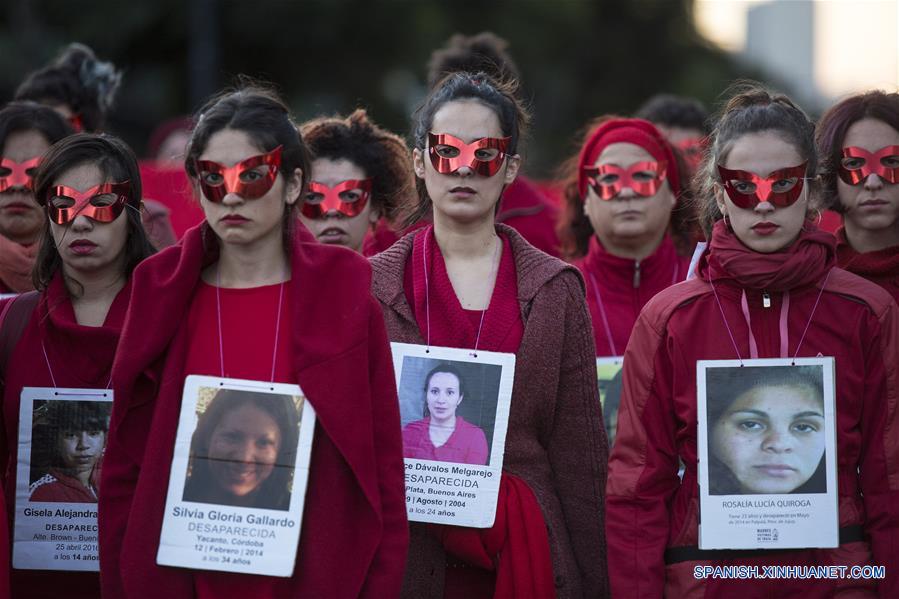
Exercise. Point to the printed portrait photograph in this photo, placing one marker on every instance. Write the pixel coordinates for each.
(766, 430)
(68, 439)
(448, 409)
(244, 450)
(608, 379)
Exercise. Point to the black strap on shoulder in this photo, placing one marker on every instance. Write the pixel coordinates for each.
(12, 324)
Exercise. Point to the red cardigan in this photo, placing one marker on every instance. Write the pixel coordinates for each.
(354, 534)
(649, 509)
(81, 357)
(881, 267)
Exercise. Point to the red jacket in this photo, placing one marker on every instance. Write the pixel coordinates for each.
(354, 532)
(525, 208)
(618, 288)
(881, 267)
(649, 509)
(81, 357)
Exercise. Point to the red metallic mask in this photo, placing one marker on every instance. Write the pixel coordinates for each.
(102, 203)
(17, 174)
(691, 149)
(484, 156)
(607, 180)
(347, 197)
(746, 190)
(858, 164)
(77, 122)
(217, 180)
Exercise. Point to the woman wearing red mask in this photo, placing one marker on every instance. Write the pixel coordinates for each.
(859, 143)
(89, 188)
(767, 287)
(248, 295)
(466, 282)
(360, 176)
(626, 224)
(27, 130)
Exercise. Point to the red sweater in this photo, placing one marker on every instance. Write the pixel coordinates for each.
(81, 357)
(618, 288)
(649, 509)
(354, 533)
(881, 267)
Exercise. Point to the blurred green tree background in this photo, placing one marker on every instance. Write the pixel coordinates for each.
(578, 58)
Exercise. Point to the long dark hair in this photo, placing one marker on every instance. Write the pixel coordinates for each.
(274, 493)
(116, 162)
(835, 123)
(499, 96)
(259, 112)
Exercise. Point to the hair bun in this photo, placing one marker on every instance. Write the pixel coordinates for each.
(99, 78)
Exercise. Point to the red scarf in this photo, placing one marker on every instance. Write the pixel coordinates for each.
(80, 356)
(15, 265)
(450, 324)
(878, 265)
(803, 263)
(517, 547)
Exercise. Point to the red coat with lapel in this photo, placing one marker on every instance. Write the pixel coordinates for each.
(354, 535)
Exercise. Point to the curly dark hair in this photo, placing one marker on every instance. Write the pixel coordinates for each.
(274, 493)
(383, 155)
(574, 228)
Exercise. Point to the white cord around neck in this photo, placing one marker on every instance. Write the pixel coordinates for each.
(218, 313)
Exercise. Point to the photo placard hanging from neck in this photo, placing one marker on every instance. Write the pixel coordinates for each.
(238, 478)
(62, 440)
(767, 453)
(608, 379)
(454, 407)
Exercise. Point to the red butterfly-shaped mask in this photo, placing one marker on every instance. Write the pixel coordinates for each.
(102, 203)
(347, 198)
(244, 178)
(858, 164)
(18, 174)
(607, 180)
(484, 156)
(747, 190)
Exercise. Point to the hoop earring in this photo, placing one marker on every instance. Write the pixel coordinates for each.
(727, 223)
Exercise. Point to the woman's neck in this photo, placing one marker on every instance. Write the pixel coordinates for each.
(92, 293)
(251, 265)
(465, 241)
(871, 240)
(633, 248)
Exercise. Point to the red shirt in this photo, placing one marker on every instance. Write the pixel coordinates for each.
(249, 320)
(880, 267)
(58, 487)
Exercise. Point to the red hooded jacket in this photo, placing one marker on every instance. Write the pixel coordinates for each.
(649, 510)
(881, 267)
(618, 288)
(81, 357)
(354, 533)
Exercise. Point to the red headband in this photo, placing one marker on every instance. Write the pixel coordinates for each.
(633, 131)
